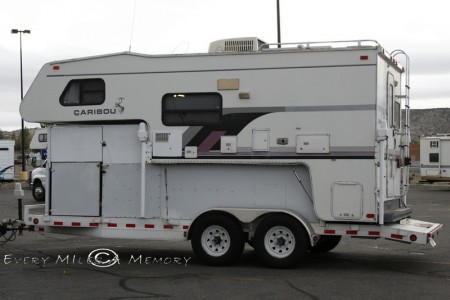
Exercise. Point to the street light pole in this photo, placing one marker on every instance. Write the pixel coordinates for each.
(278, 24)
(14, 31)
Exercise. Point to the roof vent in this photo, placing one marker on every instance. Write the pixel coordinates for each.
(250, 44)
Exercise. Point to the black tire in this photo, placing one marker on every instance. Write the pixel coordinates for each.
(38, 192)
(217, 240)
(326, 243)
(281, 242)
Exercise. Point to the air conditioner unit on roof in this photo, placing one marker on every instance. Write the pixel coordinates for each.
(249, 44)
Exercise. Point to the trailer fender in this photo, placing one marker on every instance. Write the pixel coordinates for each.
(250, 215)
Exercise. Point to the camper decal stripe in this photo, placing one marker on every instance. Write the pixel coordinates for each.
(236, 119)
(212, 70)
(209, 136)
(210, 141)
(435, 167)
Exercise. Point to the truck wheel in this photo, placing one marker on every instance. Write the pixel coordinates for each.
(326, 243)
(281, 242)
(38, 192)
(217, 240)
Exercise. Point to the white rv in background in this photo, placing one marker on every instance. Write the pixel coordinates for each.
(7, 159)
(435, 157)
(38, 143)
(288, 149)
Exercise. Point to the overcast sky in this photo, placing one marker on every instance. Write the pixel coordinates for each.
(68, 29)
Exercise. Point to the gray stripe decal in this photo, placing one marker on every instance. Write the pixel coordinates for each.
(362, 107)
(435, 167)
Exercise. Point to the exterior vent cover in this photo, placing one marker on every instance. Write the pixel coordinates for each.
(236, 45)
(162, 137)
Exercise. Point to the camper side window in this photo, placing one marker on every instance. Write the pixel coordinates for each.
(434, 144)
(83, 92)
(434, 157)
(42, 138)
(192, 109)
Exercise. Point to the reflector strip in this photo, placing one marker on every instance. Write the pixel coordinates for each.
(76, 224)
(41, 229)
(112, 225)
(370, 216)
(149, 226)
(58, 223)
(93, 224)
(397, 236)
(56, 68)
(131, 225)
(364, 57)
(328, 231)
(185, 227)
(352, 232)
(376, 233)
(168, 226)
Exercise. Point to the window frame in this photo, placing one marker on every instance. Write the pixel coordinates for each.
(42, 138)
(217, 112)
(434, 144)
(71, 83)
(433, 158)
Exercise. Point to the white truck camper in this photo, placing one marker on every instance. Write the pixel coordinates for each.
(435, 157)
(287, 148)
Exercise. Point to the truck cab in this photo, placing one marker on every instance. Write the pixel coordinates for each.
(38, 180)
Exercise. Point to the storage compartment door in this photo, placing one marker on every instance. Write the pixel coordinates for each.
(347, 200)
(75, 189)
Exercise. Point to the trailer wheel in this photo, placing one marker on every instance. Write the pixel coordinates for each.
(38, 191)
(217, 240)
(281, 242)
(326, 243)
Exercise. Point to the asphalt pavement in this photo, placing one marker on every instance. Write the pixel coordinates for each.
(50, 266)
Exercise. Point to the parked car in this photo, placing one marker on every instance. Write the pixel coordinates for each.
(38, 179)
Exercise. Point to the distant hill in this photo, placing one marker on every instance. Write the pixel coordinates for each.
(426, 121)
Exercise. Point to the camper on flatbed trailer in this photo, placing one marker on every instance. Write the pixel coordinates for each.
(288, 148)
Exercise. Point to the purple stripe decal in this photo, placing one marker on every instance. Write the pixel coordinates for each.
(210, 141)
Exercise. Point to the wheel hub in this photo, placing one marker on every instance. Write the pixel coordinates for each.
(279, 241)
(215, 240)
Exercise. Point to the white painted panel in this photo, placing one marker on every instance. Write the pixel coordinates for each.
(121, 144)
(313, 143)
(81, 144)
(75, 189)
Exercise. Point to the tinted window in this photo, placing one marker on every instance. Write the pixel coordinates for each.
(192, 109)
(42, 137)
(434, 157)
(83, 92)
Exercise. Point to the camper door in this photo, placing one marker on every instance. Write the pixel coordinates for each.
(76, 168)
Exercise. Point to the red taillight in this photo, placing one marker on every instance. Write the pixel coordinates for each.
(364, 57)
(413, 237)
(370, 216)
(55, 68)
(36, 221)
(397, 236)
